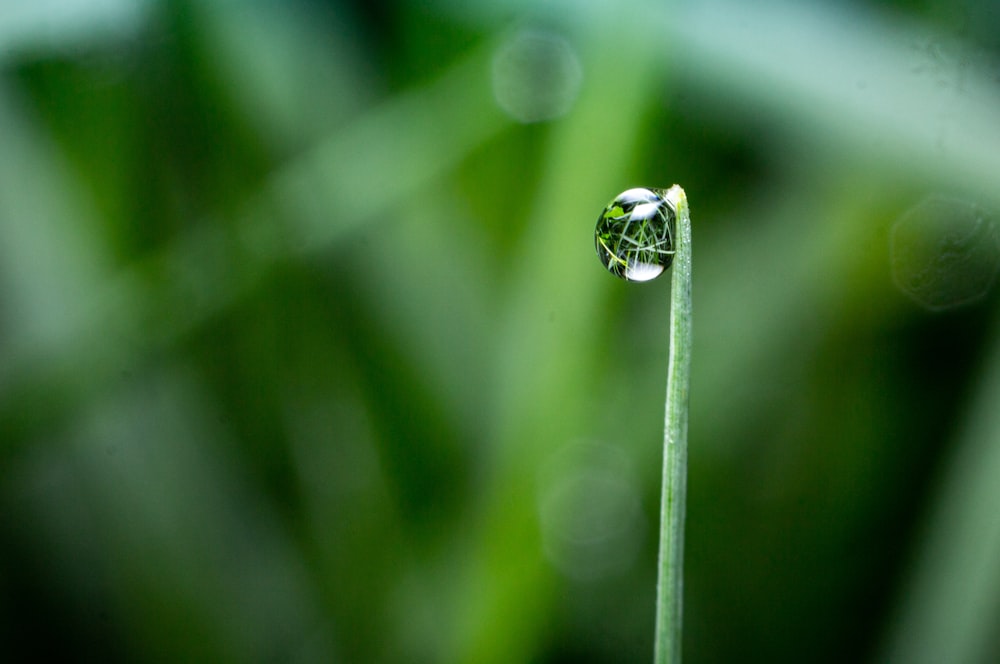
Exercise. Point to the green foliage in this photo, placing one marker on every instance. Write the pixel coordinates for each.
(305, 355)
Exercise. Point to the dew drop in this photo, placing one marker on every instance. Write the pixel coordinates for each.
(634, 237)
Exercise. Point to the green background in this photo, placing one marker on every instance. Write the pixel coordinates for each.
(305, 354)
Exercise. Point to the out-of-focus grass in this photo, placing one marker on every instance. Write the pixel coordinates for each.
(305, 354)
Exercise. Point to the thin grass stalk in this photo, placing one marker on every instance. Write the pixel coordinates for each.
(670, 583)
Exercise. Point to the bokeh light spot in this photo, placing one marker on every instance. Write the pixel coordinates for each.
(590, 511)
(536, 76)
(945, 253)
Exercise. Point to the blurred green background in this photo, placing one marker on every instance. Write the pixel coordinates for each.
(306, 356)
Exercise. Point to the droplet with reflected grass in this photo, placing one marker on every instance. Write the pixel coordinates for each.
(634, 237)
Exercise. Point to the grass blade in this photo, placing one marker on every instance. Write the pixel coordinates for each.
(670, 586)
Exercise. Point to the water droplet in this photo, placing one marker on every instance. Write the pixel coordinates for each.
(635, 234)
(945, 253)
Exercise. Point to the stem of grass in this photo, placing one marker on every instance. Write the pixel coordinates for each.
(670, 583)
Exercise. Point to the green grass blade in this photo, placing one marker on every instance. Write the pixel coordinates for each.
(670, 586)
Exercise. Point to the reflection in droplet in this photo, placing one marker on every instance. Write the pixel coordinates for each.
(590, 511)
(945, 253)
(536, 76)
(634, 237)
